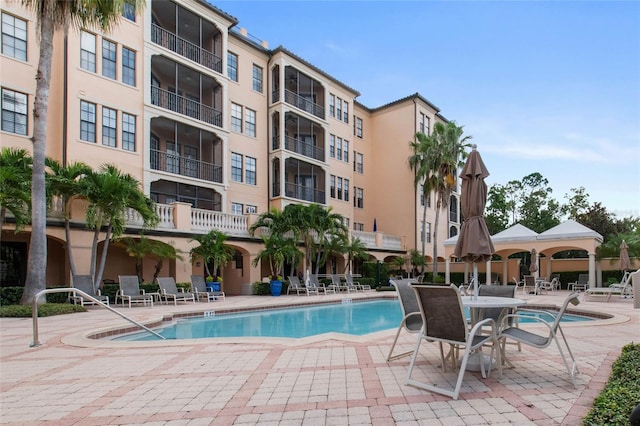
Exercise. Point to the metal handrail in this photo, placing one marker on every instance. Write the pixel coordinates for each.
(75, 291)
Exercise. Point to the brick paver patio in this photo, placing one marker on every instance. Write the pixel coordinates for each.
(71, 380)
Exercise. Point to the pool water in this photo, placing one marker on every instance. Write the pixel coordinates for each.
(348, 318)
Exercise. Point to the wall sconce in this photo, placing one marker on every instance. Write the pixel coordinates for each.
(197, 264)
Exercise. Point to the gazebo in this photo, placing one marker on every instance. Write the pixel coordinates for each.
(569, 235)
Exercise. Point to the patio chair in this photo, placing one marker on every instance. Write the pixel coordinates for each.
(338, 285)
(85, 283)
(363, 287)
(497, 313)
(555, 281)
(295, 285)
(445, 322)
(581, 285)
(542, 341)
(314, 283)
(519, 284)
(411, 318)
(467, 289)
(623, 288)
(530, 282)
(130, 291)
(199, 287)
(169, 291)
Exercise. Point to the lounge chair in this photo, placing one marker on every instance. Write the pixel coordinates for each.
(339, 285)
(295, 285)
(130, 291)
(411, 318)
(314, 283)
(445, 322)
(199, 287)
(363, 287)
(169, 291)
(623, 288)
(85, 283)
(581, 285)
(497, 313)
(542, 341)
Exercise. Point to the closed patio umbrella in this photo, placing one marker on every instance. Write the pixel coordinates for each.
(474, 242)
(533, 266)
(625, 262)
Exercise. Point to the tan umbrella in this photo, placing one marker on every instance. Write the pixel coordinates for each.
(474, 242)
(625, 262)
(533, 266)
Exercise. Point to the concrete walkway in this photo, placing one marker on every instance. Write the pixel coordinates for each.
(335, 380)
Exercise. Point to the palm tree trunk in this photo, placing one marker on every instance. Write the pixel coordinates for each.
(37, 264)
(67, 233)
(103, 258)
(424, 231)
(435, 242)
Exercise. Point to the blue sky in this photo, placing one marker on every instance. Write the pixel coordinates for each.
(548, 87)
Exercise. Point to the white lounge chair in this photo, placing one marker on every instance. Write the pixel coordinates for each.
(169, 291)
(130, 291)
(623, 288)
(411, 318)
(295, 285)
(199, 287)
(314, 283)
(358, 285)
(85, 283)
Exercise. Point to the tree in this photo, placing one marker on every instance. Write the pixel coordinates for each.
(15, 188)
(498, 207)
(66, 183)
(111, 194)
(538, 211)
(399, 263)
(212, 249)
(611, 247)
(142, 247)
(435, 160)
(354, 249)
(577, 204)
(277, 249)
(416, 259)
(53, 16)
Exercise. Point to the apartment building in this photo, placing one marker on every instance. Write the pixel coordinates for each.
(218, 127)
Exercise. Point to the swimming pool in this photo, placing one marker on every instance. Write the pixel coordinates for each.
(348, 318)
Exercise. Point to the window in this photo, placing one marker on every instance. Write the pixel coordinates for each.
(421, 192)
(426, 125)
(236, 208)
(236, 118)
(87, 121)
(339, 189)
(14, 37)
(109, 118)
(346, 189)
(346, 222)
(128, 132)
(250, 173)
(339, 149)
(108, 59)
(257, 78)
(128, 66)
(345, 151)
(332, 146)
(421, 123)
(332, 186)
(236, 167)
(232, 66)
(359, 162)
(428, 232)
(339, 108)
(359, 127)
(250, 123)
(332, 105)
(345, 112)
(358, 226)
(129, 10)
(250, 209)
(359, 200)
(14, 112)
(87, 51)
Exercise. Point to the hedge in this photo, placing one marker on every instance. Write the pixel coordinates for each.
(44, 310)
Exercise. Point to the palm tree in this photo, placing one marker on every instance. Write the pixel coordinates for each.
(278, 226)
(111, 194)
(15, 168)
(143, 247)
(53, 16)
(212, 249)
(354, 249)
(434, 161)
(65, 182)
(277, 249)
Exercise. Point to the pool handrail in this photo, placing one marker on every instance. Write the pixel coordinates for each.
(75, 291)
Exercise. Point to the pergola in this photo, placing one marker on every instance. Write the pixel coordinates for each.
(569, 235)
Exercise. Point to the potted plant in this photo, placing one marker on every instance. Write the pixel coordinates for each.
(212, 249)
(213, 282)
(276, 250)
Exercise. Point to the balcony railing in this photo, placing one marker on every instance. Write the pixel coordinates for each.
(230, 224)
(453, 217)
(305, 193)
(185, 106)
(379, 240)
(303, 148)
(164, 212)
(391, 242)
(185, 48)
(185, 166)
(367, 238)
(303, 103)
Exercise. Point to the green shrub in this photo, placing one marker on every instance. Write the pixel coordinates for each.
(44, 310)
(385, 288)
(13, 295)
(370, 270)
(264, 289)
(621, 393)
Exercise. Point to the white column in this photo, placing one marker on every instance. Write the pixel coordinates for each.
(447, 271)
(505, 270)
(488, 274)
(592, 270)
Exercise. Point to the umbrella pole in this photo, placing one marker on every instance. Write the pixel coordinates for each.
(475, 281)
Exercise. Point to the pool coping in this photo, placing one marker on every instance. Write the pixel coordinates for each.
(97, 338)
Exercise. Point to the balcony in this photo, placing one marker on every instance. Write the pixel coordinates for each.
(379, 240)
(185, 48)
(304, 193)
(185, 166)
(304, 103)
(303, 148)
(185, 106)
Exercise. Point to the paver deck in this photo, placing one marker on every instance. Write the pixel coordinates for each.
(332, 380)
